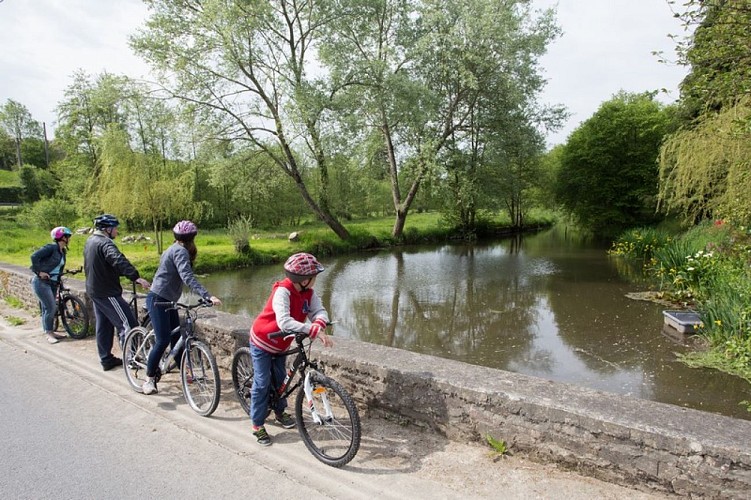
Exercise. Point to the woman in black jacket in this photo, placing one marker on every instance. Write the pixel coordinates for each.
(48, 263)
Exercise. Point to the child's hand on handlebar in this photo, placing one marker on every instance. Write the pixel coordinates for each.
(327, 340)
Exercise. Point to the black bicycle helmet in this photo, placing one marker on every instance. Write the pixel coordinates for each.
(105, 221)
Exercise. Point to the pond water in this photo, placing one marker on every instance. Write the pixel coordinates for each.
(549, 305)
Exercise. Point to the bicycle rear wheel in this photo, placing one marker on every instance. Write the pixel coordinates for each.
(136, 349)
(329, 425)
(74, 317)
(199, 374)
(242, 376)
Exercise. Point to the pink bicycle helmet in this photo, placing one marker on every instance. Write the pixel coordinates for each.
(60, 232)
(301, 266)
(185, 230)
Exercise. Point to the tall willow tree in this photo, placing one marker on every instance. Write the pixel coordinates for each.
(142, 187)
(704, 167)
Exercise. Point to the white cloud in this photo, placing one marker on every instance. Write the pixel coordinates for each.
(44, 42)
(606, 46)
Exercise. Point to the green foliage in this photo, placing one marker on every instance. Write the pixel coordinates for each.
(13, 301)
(707, 268)
(717, 54)
(499, 446)
(36, 183)
(608, 175)
(240, 231)
(705, 169)
(48, 213)
(640, 242)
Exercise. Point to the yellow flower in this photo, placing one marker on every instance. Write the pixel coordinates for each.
(718, 322)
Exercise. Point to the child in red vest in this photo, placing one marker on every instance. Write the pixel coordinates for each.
(292, 302)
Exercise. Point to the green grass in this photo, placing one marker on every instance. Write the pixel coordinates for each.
(15, 321)
(9, 178)
(14, 302)
(216, 250)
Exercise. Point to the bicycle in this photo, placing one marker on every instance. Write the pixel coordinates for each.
(133, 303)
(327, 418)
(71, 311)
(199, 373)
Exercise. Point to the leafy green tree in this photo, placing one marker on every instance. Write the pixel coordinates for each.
(717, 53)
(251, 62)
(37, 183)
(424, 74)
(17, 122)
(608, 172)
(7, 150)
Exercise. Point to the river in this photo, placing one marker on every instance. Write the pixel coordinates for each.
(551, 305)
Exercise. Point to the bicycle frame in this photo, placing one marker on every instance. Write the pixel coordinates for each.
(199, 373)
(300, 365)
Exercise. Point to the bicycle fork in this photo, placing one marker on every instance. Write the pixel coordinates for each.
(309, 389)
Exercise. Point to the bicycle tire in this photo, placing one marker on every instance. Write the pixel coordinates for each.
(335, 438)
(136, 348)
(242, 376)
(74, 317)
(201, 385)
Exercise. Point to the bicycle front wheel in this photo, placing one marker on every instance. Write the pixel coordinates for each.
(329, 424)
(242, 376)
(200, 379)
(75, 317)
(136, 349)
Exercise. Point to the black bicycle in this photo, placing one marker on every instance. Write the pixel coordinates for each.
(327, 417)
(71, 311)
(145, 320)
(199, 373)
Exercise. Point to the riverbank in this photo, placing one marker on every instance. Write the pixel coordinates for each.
(218, 248)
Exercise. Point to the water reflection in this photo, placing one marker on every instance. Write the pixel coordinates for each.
(548, 305)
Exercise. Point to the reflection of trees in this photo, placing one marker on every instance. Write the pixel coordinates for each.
(451, 309)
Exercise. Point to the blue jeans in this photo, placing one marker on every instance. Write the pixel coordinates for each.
(163, 321)
(263, 363)
(45, 291)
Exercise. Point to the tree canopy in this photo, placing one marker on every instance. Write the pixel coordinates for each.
(608, 172)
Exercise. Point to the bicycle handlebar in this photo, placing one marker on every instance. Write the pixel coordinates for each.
(188, 307)
(293, 333)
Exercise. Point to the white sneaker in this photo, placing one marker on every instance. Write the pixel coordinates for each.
(149, 387)
(52, 339)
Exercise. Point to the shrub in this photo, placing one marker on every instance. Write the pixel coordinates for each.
(240, 230)
(48, 213)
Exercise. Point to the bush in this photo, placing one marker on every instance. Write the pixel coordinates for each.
(240, 230)
(48, 213)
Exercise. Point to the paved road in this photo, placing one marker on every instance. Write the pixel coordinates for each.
(73, 431)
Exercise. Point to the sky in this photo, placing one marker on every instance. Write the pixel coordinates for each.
(606, 46)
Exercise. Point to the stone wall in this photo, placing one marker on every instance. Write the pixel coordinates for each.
(611, 437)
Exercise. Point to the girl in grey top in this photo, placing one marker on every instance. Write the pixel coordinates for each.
(175, 268)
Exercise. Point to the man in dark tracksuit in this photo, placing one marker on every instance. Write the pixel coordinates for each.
(104, 264)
